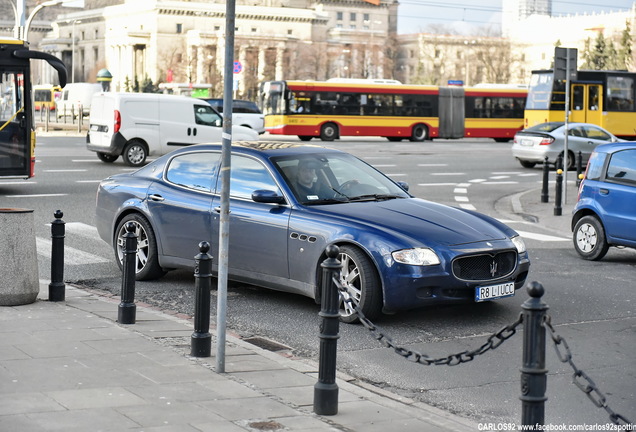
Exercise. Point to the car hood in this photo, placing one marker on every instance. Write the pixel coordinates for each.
(420, 219)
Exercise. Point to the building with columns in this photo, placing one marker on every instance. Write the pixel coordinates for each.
(169, 41)
(184, 41)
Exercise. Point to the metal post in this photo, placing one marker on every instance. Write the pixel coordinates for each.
(80, 118)
(533, 371)
(544, 189)
(558, 210)
(326, 389)
(57, 288)
(201, 340)
(127, 310)
(46, 120)
(579, 167)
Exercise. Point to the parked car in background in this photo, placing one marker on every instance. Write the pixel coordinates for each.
(136, 125)
(605, 213)
(398, 252)
(76, 98)
(532, 145)
(244, 113)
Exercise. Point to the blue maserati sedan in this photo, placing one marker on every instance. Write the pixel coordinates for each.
(288, 202)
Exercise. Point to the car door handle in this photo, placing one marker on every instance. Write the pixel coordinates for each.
(194, 131)
(156, 197)
(218, 209)
(603, 191)
(189, 131)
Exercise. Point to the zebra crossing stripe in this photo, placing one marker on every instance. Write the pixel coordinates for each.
(72, 256)
(542, 237)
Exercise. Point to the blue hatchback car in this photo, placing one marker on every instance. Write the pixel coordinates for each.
(605, 214)
(288, 202)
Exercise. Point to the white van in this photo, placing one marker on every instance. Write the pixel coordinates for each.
(76, 97)
(244, 113)
(136, 125)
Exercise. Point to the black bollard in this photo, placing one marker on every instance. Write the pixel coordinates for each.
(533, 371)
(544, 189)
(127, 311)
(201, 340)
(579, 167)
(57, 288)
(326, 389)
(559, 162)
(558, 211)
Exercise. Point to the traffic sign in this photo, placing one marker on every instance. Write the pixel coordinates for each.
(238, 67)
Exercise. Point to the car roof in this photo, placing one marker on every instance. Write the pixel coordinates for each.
(267, 148)
(614, 147)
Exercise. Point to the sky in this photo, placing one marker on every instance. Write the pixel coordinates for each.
(415, 16)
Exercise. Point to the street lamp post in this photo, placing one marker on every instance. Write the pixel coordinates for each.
(38, 8)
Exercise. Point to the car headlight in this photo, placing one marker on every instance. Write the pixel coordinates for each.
(519, 244)
(416, 256)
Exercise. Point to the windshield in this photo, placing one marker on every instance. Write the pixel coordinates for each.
(335, 178)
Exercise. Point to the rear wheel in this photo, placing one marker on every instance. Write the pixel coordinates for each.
(107, 158)
(135, 153)
(361, 283)
(305, 137)
(146, 260)
(527, 164)
(329, 132)
(419, 133)
(589, 238)
(570, 163)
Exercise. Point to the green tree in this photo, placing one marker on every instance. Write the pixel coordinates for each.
(625, 50)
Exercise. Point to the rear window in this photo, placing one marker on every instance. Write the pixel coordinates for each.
(544, 127)
(238, 106)
(622, 167)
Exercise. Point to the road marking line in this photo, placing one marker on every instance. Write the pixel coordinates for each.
(460, 190)
(432, 165)
(64, 170)
(477, 180)
(499, 182)
(461, 199)
(72, 256)
(463, 184)
(395, 175)
(16, 183)
(446, 174)
(88, 181)
(542, 237)
(436, 184)
(506, 173)
(499, 177)
(468, 206)
(34, 196)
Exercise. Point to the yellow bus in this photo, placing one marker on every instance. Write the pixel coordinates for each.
(603, 98)
(17, 123)
(44, 96)
(331, 109)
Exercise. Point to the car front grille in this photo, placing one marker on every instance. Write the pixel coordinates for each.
(485, 266)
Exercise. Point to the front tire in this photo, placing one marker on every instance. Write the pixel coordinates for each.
(146, 261)
(135, 153)
(361, 283)
(329, 132)
(589, 238)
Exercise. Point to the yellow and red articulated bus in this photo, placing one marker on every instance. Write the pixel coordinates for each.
(329, 110)
(17, 123)
(603, 98)
(44, 96)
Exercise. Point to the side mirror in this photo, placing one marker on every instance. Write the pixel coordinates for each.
(403, 185)
(267, 197)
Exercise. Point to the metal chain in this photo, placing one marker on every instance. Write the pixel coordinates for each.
(580, 378)
(493, 341)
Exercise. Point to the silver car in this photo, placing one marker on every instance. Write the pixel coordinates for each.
(532, 145)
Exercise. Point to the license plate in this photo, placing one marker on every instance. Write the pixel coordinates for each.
(492, 292)
(527, 142)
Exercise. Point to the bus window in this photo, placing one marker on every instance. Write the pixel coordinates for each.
(14, 154)
(620, 93)
(578, 102)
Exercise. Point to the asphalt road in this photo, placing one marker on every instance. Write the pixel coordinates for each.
(591, 304)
